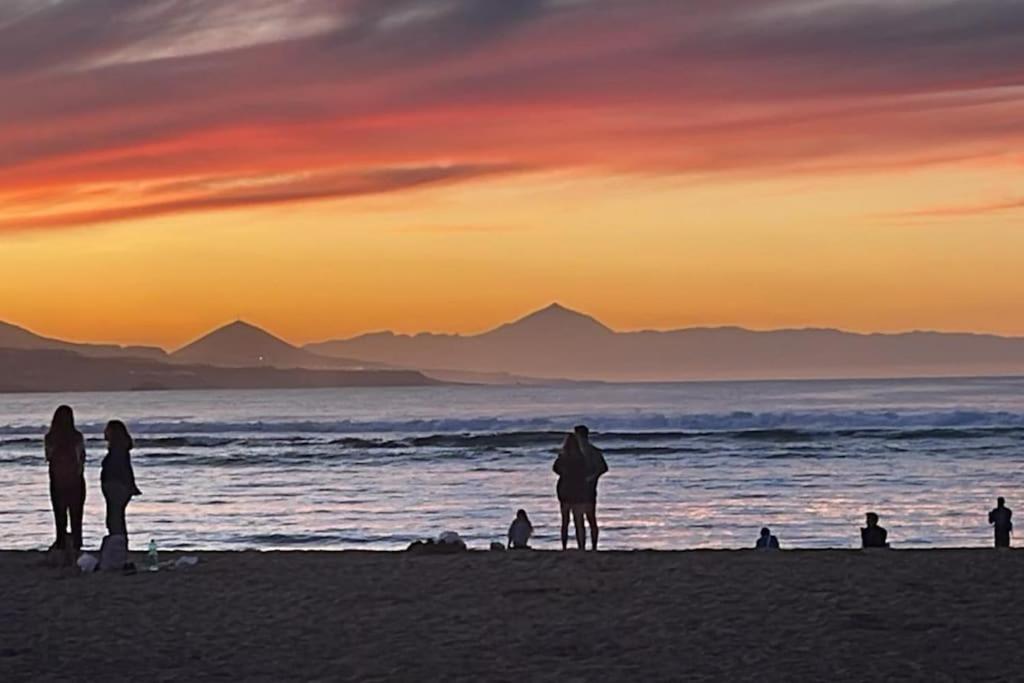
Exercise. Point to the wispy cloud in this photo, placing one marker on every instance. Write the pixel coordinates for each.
(108, 92)
(967, 210)
(219, 193)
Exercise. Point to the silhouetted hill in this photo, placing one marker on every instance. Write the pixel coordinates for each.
(14, 337)
(59, 371)
(559, 343)
(240, 344)
(553, 322)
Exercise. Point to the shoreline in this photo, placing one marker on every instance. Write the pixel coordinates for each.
(935, 614)
(473, 552)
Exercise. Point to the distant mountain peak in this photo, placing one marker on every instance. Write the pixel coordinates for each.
(555, 308)
(243, 327)
(238, 343)
(555, 319)
(242, 344)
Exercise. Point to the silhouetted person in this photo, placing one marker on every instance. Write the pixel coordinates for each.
(766, 540)
(520, 531)
(596, 467)
(65, 456)
(999, 518)
(571, 469)
(873, 536)
(117, 477)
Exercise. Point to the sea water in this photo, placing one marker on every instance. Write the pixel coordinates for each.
(692, 465)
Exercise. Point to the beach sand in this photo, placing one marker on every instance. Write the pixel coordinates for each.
(530, 616)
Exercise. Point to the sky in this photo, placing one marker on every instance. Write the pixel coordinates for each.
(329, 167)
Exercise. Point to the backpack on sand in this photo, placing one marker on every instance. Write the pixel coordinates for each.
(113, 553)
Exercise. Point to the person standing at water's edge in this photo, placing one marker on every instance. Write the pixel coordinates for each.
(117, 477)
(596, 468)
(571, 469)
(65, 457)
(1000, 518)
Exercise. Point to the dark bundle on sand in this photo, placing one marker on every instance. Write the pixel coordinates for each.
(431, 547)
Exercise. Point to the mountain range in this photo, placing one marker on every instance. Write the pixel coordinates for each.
(554, 343)
(557, 342)
(236, 356)
(14, 337)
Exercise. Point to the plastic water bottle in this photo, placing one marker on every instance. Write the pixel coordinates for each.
(152, 557)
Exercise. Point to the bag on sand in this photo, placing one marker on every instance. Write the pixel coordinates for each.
(87, 563)
(113, 553)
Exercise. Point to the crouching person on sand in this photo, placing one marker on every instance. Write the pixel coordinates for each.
(520, 531)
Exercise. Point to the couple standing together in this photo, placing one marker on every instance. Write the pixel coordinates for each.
(65, 457)
(579, 466)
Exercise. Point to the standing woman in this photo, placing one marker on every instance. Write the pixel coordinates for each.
(571, 468)
(117, 478)
(65, 455)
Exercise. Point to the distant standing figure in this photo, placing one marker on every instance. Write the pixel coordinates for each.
(117, 477)
(520, 531)
(571, 469)
(767, 541)
(873, 536)
(999, 518)
(65, 457)
(596, 467)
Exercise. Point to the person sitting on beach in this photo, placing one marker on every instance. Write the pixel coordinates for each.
(520, 531)
(767, 541)
(117, 478)
(999, 518)
(597, 466)
(571, 469)
(65, 455)
(873, 536)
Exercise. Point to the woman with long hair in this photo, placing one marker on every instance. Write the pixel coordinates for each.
(571, 468)
(65, 456)
(117, 478)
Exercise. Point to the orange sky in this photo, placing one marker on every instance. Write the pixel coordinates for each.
(328, 168)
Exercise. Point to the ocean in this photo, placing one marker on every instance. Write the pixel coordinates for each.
(692, 465)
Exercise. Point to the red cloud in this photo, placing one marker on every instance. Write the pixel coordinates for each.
(736, 86)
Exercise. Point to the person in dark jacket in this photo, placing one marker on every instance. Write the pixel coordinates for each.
(767, 541)
(873, 536)
(117, 477)
(999, 518)
(65, 457)
(597, 467)
(571, 468)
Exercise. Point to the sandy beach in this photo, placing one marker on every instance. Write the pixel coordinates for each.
(800, 615)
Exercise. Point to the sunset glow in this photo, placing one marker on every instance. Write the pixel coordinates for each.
(325, 168)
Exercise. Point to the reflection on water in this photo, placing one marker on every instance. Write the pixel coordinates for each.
(693, 465)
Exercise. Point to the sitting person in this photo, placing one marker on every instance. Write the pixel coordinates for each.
(873, 536)
(520, 531)
(767, 541)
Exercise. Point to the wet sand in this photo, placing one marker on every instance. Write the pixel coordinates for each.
(802, 615)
